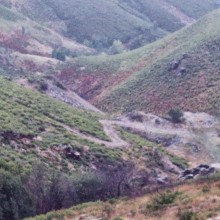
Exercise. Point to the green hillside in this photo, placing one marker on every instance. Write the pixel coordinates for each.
(148, 78)
(57, 154)
(98, 23)
(53, 156)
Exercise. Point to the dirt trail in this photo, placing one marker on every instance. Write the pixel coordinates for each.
(197, 139)
(110, 131)
(177, 13)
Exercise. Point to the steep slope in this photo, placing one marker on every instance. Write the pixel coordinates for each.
(101, 21)
(26, 50)
(181, 70)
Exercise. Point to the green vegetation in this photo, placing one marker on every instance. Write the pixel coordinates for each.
(188, 215)
(30, 120)
(31, 111)
(162, 200)
(180, 203)
(178, 161)
(135, 139)
(15, 201)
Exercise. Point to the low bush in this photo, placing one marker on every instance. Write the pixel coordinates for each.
(162, 201)
(188, 215)
(176, 115)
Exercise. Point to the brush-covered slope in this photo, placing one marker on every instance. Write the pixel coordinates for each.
(198, 200)
(53, 156)
(102, 21)
(33, 123)
(181, 70)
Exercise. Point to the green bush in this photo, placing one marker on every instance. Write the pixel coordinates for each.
(118, 218)
(188, 215)
(43, 86)
(176, 115)
(162, 200)
(15, 201)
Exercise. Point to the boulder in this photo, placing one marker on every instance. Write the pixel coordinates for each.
(174, 65)
(188, 177)
(69, 152)
(162, 180)
(182, 70)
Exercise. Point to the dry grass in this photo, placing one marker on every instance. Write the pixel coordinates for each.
(200, 200)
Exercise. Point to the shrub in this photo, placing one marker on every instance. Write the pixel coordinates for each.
(15, 201)
(43, 86)
(188, 215)
(116, 48)
(118, 218)
(113, 201)
(205, 189)
(176, 115)
(108, 209)
(59, 54)
(162, 200)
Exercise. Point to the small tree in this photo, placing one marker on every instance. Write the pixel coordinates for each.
(176, 115)
(117, 47)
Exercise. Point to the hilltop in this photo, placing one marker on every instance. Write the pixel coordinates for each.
(99, 23)
(181, 70)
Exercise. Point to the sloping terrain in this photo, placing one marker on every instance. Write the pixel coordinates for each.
(181, 70)
(40, 134)
(26, 50)
(199, 200)
(100, 22)
(55, 154)
(85, 149)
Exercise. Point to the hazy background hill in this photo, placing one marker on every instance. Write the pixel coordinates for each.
(180, 70)
(98, 23)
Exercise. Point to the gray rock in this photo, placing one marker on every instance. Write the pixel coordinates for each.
(162, 180)
(188, 177)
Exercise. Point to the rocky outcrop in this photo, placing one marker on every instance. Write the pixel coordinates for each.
(203, 170)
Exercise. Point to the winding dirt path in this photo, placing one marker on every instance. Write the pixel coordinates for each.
(200, 131)
(111, 132)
